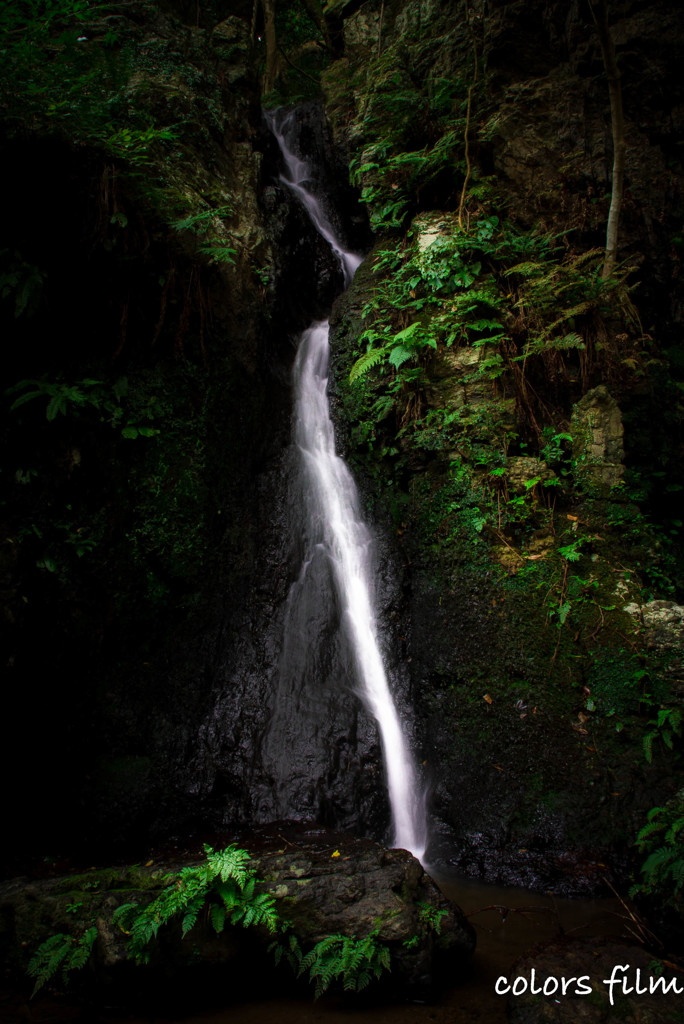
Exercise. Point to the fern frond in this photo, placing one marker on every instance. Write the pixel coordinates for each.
(648, 746)
(229, 863)
(290, 950)
(48, 958)
(526, 269)
(364, 979)
(399, 355)
(383, 960)
(596, 255)
(677, 873)
(217, 916)
(351, 960)
(123, 913)
(228, 893)
(567, 314)
(655, 861)
(191, 914)
(648, 830)
(366, 362)
(81, 954)
(62, 953)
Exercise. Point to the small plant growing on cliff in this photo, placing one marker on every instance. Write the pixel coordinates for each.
(668, 727)
(431, 917)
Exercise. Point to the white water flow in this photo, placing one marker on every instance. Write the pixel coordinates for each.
(334, 504)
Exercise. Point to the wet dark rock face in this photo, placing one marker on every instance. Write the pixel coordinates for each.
(287, 734)
(308, 274)
(169, 635)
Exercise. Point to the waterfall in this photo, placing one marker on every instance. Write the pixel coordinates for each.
(336, 525)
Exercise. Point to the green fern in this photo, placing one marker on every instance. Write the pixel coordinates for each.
(667, 727)
(352, 961)
(62, 953)
(224, 886)
(287, 949)
(218, 253)
(366, 362)
(662, 839)
(432, 916)
(217, 916)
(399, 355)
(527, 269)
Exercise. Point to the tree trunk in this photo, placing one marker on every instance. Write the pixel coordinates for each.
(599, 11)
(315, 12)
(271, 46)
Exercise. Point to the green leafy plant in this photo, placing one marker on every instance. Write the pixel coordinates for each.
(61, 396)
(218, 253)
(64, 398)
(667, 728)
(21, 281)
(431, 916)
(135, 144)
(201, 223)
(553, 450)
(351, 961)
(662, 838)
(61, 954)
(224, 886)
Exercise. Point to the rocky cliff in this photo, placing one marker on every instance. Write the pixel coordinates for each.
(516, 415)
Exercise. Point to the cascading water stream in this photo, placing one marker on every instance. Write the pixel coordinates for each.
(333, 505)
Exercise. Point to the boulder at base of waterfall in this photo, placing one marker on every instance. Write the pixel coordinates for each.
(586, 969)
(325, 883)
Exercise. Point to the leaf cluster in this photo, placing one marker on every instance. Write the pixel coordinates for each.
(662, 838)
(223, 887)
(667, 727)
(432, 916)
(339, 958)
(60, 954)
(64, 70)
(109, 401)
(410, 136)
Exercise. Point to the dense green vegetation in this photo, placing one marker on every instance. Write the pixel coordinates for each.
(481, 340)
